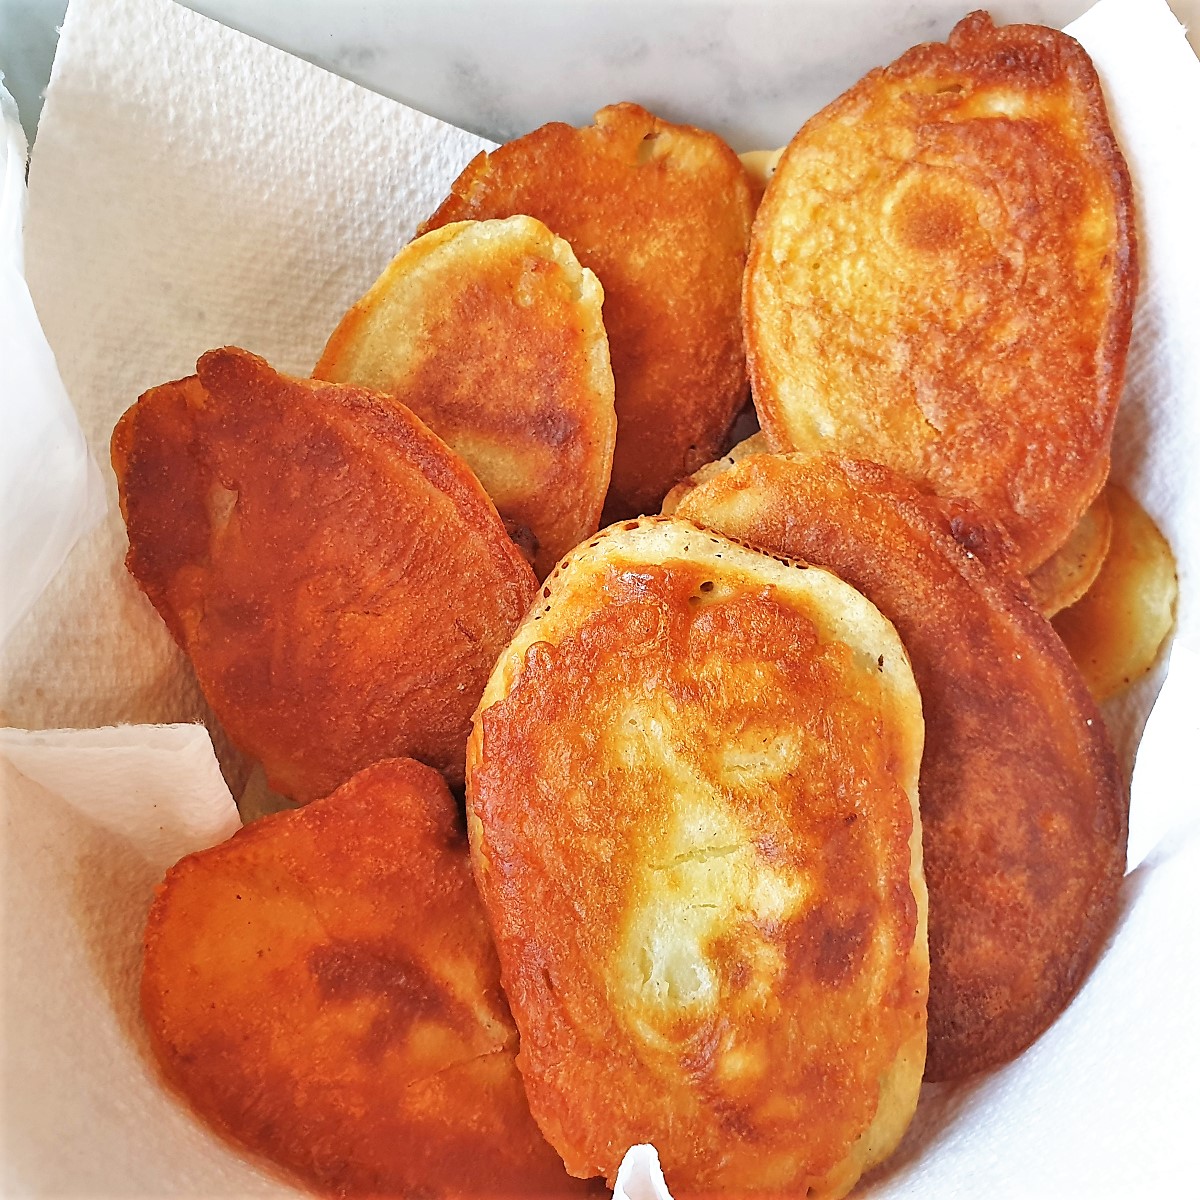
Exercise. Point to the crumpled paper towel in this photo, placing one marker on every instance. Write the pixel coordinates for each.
(1151, 79)
(50, 490)
(236, 195)
(92, 820)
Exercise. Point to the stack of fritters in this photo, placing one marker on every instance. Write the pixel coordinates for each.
(1022, 807)
(662, 214)
(692, 772)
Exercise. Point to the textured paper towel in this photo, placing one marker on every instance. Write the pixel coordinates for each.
(190, 188)
(92, 819)
(50, 489)
(180, 240)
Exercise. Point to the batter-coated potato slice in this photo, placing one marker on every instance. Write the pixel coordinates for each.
(1116, 630)
(1073, 567)
(756, 443)
(942, 275)
(337, 576)
(491, 333)
(693, 814)
(760, 165)
(1022, 806)
(662, 214)
(323, 989)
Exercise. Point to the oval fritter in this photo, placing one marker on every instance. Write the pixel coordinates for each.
(490, 332)
(1023, 811)
(693, 814)
(942, 275)
(1122, 621)
(1073, 567)
(337, 576)
(324, 991)
(662, 214)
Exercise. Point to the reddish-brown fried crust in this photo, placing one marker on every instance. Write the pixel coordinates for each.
(981, 349)
(323, 990)
(336, 575)
(1022, 807)
(628, 751)
(662, 214)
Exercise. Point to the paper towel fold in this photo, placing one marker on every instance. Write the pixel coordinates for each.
(50, 489)
(92, 819)
(237, 195)
(1152, 82)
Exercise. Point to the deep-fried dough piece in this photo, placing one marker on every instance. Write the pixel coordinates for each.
(1023, 809)
(942, 275)
(756, 443)
(662, 214)
(1073, 567)
(1116, 631)
(491, 333)
(323, 990)
(693, 811)
(337, 576)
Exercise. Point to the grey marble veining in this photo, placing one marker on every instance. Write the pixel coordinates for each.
(752, 70)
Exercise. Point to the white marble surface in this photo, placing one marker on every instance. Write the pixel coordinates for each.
(751, 70)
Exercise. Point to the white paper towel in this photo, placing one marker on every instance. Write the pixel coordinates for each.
(1152, 82)
(92, 819)
(191, 187)
(50, 489)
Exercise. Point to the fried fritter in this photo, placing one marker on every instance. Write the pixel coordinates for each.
(1116, 630)
(491, 333)
(1073, 567)
(337, 576)
(662, 214)
(324, 990)
(693, 815)
(1023, 810)
(756, 443)
(942, 275)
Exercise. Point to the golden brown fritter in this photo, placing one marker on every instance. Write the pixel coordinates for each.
(337, 576)
(1117, 629)
(1023, 810)
(942, 276)
(324, 991)
(1073, 567)
(662, 214)
(693, 815)
(491, 333)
